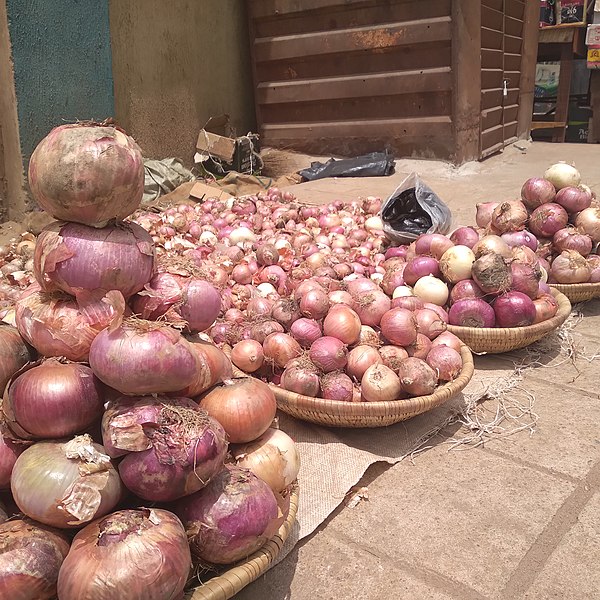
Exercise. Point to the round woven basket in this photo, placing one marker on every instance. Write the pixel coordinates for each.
(578, 292)
(228, 584)
(495, 340)
(335, 413)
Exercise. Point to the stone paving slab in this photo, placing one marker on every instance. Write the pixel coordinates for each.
(328, 568)
(572, 572)
(468, 515)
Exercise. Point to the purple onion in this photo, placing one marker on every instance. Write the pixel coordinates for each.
(396, 251)
(537, 191)
(514, 309)
(418, 267)
(520, 238)
(473, 312)
(232, 517)
(172, 447)
(71, 257)
(465, 236)
(524, 279)
(464, 290)
(547, 219)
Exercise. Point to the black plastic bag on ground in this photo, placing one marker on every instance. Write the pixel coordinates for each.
(412, 210)
(376, 164)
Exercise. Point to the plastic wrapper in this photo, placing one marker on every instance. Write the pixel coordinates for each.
(412, 210)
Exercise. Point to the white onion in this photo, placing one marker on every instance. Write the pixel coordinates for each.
(402, 290)
(456, 263)
(373, 223)
(265, 289)
(431, 289)
(240, 235)
(562, 175)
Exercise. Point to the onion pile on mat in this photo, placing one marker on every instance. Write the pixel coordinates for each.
(113, 397)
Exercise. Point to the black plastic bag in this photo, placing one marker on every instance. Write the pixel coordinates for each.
(376, 164)
(412, 210)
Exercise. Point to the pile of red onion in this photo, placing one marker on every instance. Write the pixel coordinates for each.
(558, 218)
(113, 396)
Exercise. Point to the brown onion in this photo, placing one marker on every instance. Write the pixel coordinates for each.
(280, 348)
(248, 355)
(417, 377)
(380, 384)
(212, 366)
(399, 326)
(445, 361)
(510, 215)
(492, 274)
(245, 408)
(343, 323)
(491, 244)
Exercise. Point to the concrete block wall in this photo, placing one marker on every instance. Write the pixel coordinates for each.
(161, 69)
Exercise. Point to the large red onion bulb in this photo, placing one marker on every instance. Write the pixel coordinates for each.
(143, 357)
(537, 191)
(65, 484)
(514, 309)
(31, 556)
(232, 517)
(547, 219)
(71, 257)
(140, 553)
(53, 400)
(510, 215)
(172, 448)
(59, 325)
(87, 173)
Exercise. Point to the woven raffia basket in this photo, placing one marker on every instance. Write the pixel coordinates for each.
(578, 292)
(228, 584)
(335, 413)
(495, 340)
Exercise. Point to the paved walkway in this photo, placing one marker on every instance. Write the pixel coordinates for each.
(517, 518)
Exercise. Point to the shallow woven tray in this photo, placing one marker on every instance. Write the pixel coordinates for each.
(578, 292)
(228, 584)
(495, 340)
(335, 413)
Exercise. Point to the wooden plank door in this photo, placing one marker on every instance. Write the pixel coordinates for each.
(501, 47)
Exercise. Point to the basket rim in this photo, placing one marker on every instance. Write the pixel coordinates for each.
(229, 583)
(538, 329)
(417, 404)
(575, 286)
